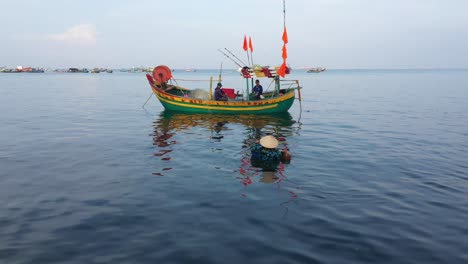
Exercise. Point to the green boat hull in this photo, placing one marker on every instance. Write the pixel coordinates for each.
(279, 104)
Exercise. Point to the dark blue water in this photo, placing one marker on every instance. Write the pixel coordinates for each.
(379, 172)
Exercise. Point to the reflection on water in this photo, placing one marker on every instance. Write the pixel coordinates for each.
(214, 129)
(169, 120)
(170, 123)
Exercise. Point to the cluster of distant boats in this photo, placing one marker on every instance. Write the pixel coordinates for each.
(82, 70)
(85, 70)
(21, 69)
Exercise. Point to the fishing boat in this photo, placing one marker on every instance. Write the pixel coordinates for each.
(176, 97)
(316, 70)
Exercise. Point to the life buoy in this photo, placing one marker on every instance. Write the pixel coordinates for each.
(162, 74)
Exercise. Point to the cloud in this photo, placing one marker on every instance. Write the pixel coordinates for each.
(84, 34)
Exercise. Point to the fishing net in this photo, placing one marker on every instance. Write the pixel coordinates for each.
(200, 94)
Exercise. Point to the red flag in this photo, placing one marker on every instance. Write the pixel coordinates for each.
(250, 44)
(245, 43)
(285, 36)
(285, 52)
(282, 70)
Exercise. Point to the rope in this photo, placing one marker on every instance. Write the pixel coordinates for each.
(147, 100)
(184, 80)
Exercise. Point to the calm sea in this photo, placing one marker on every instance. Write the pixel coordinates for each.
(379, 172)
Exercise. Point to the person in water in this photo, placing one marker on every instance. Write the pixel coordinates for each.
(220, 95)
(257, 90)
(265, 153)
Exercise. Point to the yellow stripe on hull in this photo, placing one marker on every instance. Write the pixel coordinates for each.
(227, 108)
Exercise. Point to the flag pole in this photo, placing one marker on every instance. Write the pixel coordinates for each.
(251, 58)
(251, 50)
(246, 49)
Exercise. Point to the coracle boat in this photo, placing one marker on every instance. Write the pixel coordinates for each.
(177, 98)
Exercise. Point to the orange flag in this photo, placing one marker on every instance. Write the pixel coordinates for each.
(250, 44)
(282, 70)
(245, 43)
(285, 52)
(285, 36)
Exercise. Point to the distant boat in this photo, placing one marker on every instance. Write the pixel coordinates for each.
(316, 70)
(190, 70)
(84, 70)
(37, 70)
(9, 71)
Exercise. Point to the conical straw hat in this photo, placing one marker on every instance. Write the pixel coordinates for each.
(269, 142)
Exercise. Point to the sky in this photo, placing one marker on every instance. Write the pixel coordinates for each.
(340, 34)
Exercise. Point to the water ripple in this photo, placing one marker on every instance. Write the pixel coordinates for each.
(378, 173)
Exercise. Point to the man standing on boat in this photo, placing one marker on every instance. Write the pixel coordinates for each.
(220, 95)
(257, 90)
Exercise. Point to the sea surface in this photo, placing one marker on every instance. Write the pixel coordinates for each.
(379, 172)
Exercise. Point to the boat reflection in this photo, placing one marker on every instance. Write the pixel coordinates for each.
(244, 129)
(169, 120)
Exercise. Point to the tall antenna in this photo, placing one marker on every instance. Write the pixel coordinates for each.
(284, 12)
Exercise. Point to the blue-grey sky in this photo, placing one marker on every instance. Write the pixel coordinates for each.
(187, 34)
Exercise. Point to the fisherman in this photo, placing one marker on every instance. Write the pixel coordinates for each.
(257, 90)
(220, 95)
